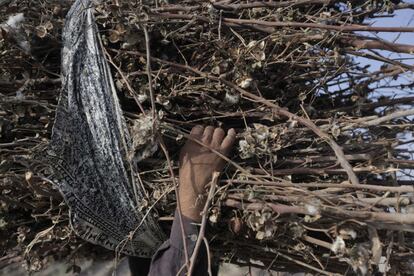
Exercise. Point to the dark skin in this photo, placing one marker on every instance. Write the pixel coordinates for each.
(197, 165)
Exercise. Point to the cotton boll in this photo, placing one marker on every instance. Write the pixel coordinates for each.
(383, 266)
(13, 27)
(260, 235)
(213, 218)
(312, 210)
(246, 83)
(347, 233)
(142, 98)
(14, 21)
(144, 144)
(257, 65)
(262, 132)
(231, 98)
(338, 247)
(19, 95)
(312, 207)
(246, 150)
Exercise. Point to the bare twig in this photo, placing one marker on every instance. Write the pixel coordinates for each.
(148, 67)
(203, 222)
(336, 148)
(396, 189)
(249, 22)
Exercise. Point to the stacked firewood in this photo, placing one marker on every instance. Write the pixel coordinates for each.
(320, 179)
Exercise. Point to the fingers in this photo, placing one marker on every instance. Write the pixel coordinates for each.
(228, 141)
(207, 135)
(215, 137)
(218, 136)
(197, 132)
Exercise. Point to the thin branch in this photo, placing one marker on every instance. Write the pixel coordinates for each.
(373, 105)
(324, 272)
(148, 67)
(235, 22)
(379, 188)
(380, 120)
(379, 44)
(203, 222)
(336, 148)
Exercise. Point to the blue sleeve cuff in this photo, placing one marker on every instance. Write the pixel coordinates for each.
(190, 230)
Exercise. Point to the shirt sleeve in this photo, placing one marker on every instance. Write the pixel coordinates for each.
(170, 258)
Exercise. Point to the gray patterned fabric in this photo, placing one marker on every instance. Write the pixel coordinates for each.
(90, 145)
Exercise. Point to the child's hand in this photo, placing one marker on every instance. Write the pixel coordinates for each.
(197, 164)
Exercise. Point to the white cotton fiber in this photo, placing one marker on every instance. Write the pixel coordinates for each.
(15, 20)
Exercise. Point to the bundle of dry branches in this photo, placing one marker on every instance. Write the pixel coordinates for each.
(320, 180)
